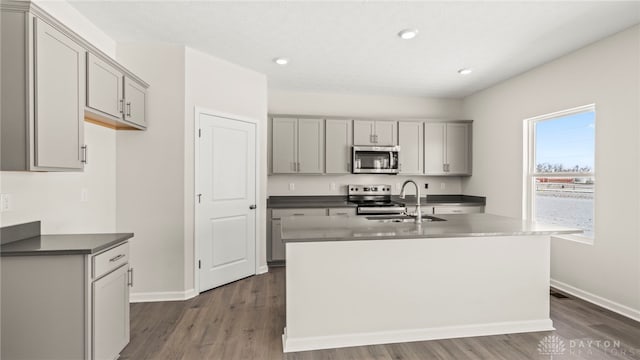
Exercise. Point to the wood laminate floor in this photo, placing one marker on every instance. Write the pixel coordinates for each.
(244, 320)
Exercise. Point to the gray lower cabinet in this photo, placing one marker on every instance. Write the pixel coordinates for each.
(43, 96)
(276, 246)
(350, 211)
(66, 306)
(457, 209)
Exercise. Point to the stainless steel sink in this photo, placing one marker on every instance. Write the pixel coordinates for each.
(402, 218)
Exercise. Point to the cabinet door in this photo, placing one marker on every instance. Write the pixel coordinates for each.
(277, 246)
(449, 209)
(338, 146)
(363, 131)
(104, 87)
(59, 100)
(311, 146)
(410, 139)
(284, 145)
(434, 135)
(386, 133)
(350, 211)
(111, 314)
(135, 103)
(457, 149)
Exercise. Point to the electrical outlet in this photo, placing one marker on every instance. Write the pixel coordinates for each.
(443, 186)
(5, 202)
(333, 186)
(84, 195)
(292, 186)
(426, 185)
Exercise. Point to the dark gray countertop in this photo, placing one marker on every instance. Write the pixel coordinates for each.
(329, 201)
(341, 228)
(76, 244)
(338, 201)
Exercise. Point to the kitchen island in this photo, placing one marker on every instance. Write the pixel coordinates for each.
(351, 281)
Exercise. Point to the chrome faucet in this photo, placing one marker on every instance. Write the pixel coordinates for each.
(402, 195)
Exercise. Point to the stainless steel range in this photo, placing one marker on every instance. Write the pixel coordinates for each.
(374, 199)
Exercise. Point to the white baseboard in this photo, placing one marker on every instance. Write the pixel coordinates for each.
(597, 300)
(262, 269)
(399, 336)
(162, 296)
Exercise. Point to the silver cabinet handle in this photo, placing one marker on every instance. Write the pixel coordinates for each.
(130, 271)
(252, 207)
(121, 106)
(129, 109)
(85, 154)
(116, 258)
(298, 166)
(375, 138)
(298, 214)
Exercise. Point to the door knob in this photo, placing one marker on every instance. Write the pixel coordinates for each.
(252, 207)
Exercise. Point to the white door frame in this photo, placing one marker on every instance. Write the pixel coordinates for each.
(196, 166)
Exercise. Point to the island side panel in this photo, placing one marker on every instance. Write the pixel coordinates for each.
(349, 293)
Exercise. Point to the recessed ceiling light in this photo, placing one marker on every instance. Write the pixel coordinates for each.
(281, 61)
(465, 71)
(407, 34)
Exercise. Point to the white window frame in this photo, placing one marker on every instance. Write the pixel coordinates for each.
(529, 173)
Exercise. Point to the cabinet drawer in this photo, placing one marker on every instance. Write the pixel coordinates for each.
(110, 259)
(458, 209)
(342, 211)
(279, 213)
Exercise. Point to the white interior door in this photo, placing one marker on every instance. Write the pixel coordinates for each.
(225, 207)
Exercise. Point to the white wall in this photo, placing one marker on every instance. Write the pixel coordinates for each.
(155, 168)
(361, 106)
(150, 167)
(223, 87)
(606, 73)
(54, 198)
(72, 18)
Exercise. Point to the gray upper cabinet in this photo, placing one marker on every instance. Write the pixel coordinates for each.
(49, 86)
(135, 102)
(375, 132)
(448, 148)
(284, 145)
(59, 100)
(104, 87)
(113, 96)
(411, 141)
(311, 146)
(297, 146)
(43, 75)
(338, 142)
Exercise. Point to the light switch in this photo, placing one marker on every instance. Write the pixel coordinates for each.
(5, 202)
(292, 186)
(333, 186)
(443, 186)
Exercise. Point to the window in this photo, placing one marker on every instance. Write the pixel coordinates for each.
(559, 174)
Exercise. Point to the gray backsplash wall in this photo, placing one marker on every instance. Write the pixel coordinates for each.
(337, 184)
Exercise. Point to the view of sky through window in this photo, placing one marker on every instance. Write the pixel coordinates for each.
(567, 141)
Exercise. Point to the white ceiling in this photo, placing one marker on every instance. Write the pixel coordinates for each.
(353, 47)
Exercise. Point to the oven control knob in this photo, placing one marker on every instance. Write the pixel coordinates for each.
(374, 189)
(366, 189)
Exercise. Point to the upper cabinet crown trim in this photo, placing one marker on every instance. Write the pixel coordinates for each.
(28, 6)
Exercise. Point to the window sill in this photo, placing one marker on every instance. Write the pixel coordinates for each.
(575, 238)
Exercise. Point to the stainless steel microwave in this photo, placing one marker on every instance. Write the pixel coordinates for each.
(375, 160)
